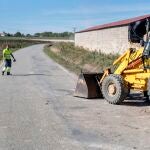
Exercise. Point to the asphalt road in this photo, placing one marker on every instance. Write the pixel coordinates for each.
(38, 111)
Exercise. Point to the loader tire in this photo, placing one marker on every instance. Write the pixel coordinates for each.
(114, 89)
(145, 93)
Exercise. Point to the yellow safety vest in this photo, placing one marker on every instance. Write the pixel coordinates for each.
(7, 54)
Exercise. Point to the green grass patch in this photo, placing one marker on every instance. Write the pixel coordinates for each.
(16, 43)
(76, 58)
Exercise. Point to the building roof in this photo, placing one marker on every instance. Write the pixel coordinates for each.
(115, 24)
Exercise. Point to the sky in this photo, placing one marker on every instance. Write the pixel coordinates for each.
(31, 16)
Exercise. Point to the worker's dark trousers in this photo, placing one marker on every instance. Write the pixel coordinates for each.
(7, 65)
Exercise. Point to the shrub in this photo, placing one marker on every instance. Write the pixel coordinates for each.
(75, 58)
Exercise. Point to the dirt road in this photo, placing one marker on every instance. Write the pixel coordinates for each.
(38, 111)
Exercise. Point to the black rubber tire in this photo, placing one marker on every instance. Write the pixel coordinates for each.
(145, 93)
(121, 89)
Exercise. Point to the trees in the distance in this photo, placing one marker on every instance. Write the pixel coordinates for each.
(54, 34)
(18, 34)
(42, 35)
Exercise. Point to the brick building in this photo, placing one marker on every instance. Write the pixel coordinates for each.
(113, 37)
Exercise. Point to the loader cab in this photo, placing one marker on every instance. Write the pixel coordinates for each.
(146, 55)
(147, 49)
(139, 33)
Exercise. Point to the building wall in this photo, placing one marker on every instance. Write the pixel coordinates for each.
(111, 40)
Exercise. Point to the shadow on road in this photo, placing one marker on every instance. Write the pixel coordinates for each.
(34, 74)
(137, 100)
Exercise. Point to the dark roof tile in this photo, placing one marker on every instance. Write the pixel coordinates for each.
(115, 24)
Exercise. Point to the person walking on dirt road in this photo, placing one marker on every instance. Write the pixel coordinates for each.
(7, 56)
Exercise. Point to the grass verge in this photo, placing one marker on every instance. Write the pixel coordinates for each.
(76, 59)
(16, 43)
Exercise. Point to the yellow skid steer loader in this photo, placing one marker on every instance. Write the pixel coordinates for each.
(132, 72)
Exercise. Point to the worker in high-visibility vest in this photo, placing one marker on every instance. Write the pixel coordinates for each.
(7, 56)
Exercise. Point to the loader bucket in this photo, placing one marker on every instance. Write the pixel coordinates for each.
(87, 85)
